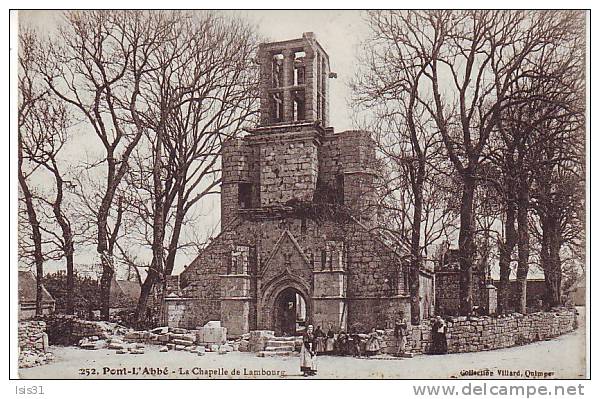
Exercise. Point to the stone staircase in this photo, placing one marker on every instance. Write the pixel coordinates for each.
(280, 346)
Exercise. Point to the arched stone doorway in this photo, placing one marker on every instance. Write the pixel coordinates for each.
(289, 312)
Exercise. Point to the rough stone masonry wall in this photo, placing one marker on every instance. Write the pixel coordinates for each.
(488, 333)
(201, 281)
(33, 344)
(32, 336)
(187, 312)
(236, 159)
(351, 153)
(289, 170)
(447, 292)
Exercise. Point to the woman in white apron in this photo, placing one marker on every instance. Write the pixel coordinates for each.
(308, 353)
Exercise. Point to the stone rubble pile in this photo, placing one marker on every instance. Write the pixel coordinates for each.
(209, 338)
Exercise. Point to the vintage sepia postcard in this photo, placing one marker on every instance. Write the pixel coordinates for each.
(307, 194)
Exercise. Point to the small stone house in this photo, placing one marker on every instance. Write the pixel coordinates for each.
(28, 294)
(124, 294)
(297, 242)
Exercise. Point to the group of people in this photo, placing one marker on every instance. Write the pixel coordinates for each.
(316, 342)
(347, 344)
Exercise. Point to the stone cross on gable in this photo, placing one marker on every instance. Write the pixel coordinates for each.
(284, 224)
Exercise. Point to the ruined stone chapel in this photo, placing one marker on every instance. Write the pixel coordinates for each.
(297, 243)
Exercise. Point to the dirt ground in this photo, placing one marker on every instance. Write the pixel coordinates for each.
(563, 357)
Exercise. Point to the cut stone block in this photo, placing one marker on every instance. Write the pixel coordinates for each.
(211, 335)
(183, 342)
(160, 330)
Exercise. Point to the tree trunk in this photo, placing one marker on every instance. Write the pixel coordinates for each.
(523, 244)
(67, 234)
(510, 239)
(70, 305)
(173, 244)
(105, 282)
(415, 248)
(105, 246)
(556, 293)
(146, 289)
(551, 260)
(158, 233)
(36, 233)
(466, 242)
(506, 249)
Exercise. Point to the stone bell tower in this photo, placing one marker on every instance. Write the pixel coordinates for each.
(294, 82)
(279, 161)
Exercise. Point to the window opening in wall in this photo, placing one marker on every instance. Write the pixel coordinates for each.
(245, 195)
(319, 105)
(299, 68)
(318, 61)
(230, 266)
(298, 102)
(339, 189)
(240, 257)
(323, 75)
(277, 107)
(277, 70)
(321, 87)
(334, 255)
(393, 284)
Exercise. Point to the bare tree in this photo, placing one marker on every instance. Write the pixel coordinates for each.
(544, 95)
(43, 125)
(98, 68)
(388, 87)
(201, 91)
(470, 59)
(45, 134)
(30, 96)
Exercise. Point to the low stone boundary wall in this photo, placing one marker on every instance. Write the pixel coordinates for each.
(33, 343)
(476, 334)
(32, 336)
